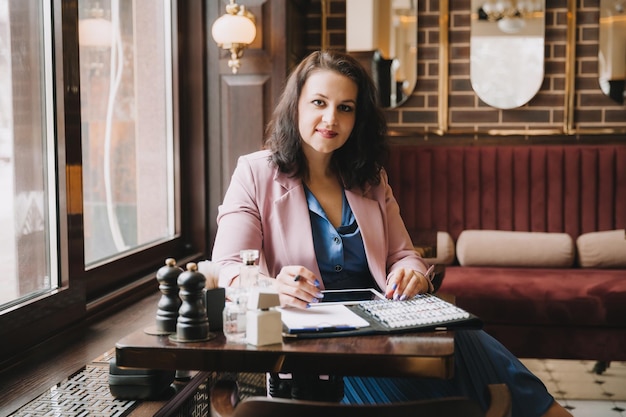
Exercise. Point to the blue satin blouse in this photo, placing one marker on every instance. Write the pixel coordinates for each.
(339, 251)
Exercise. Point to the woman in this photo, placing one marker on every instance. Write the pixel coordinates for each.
(317, 205)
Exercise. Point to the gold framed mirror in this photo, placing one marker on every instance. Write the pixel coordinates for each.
(612, 49)
(382, 34)
(507, 51)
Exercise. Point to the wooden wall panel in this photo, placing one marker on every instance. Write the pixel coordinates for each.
(241, 104)
(242, 98)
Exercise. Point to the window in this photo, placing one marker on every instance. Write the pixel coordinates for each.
(28, 213)
(97, 183)
(126, 125)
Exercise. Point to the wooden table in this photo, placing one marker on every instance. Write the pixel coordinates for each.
(425, 354)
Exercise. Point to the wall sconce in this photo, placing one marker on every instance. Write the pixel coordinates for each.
(234, 31)
(509, 14)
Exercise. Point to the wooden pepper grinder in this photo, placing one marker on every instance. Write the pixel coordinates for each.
(193, 324)
(169, 303)
(167, 312)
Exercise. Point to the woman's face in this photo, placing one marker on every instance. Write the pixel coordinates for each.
(326, 111)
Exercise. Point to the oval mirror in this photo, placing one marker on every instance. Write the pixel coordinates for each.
(382, 34)
(612, 51)
(507, 51)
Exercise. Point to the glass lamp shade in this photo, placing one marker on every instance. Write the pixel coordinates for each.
(233, 29)
(511, 24)
(95, 32)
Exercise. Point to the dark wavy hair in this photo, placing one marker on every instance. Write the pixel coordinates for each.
(359, 161)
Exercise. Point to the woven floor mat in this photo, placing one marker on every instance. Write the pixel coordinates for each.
(86, 393)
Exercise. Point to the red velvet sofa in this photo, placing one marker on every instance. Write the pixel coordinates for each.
(567, 313)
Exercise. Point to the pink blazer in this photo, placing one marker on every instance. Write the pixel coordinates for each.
(267, 210)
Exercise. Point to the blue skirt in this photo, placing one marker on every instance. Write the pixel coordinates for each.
(479, 360)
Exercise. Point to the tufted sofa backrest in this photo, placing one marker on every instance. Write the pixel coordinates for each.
(547, 188)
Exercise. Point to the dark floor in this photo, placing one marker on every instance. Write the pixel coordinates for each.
(85, 393)
(26, 382)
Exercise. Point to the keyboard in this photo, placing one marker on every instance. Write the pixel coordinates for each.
(424, 310)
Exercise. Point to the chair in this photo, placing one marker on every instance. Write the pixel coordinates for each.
(224, 404)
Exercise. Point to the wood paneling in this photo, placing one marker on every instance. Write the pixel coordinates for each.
(242, 98)
(240, 105)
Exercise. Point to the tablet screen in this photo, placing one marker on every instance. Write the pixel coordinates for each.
(350, 296)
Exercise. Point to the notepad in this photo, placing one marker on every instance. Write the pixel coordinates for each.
(424, 312)
(331, 318)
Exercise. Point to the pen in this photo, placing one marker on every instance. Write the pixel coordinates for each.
(325, 329)
(297, 278)
(429, 271)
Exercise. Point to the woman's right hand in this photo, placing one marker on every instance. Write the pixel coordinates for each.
(297, 287)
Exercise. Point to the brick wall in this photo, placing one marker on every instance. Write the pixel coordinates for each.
(545, 110)
(328, 17)
(593, 108)
(545, 118)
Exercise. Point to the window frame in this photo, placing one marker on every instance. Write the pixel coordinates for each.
(85, 294)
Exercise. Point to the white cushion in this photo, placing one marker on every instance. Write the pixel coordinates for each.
(602, 249)
(515, 249)
(445, 250)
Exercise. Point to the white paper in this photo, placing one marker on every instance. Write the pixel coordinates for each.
(336, 316)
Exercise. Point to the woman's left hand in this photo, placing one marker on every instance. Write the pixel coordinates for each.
(406, 283)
